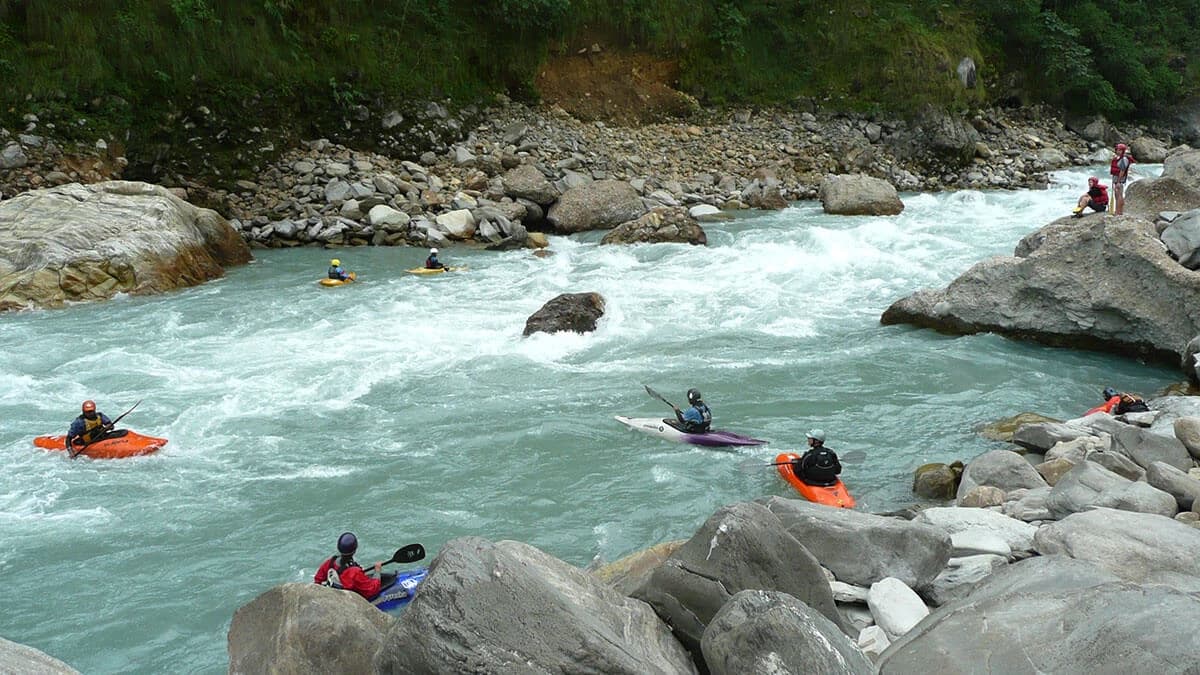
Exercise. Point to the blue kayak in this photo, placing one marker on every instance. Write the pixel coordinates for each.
(397, 594)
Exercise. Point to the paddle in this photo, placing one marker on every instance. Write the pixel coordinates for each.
(408, 554)
(103, 430)
(655, 394)
(850, 457)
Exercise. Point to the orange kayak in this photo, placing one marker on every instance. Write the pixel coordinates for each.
(833, 495)
(128, 444)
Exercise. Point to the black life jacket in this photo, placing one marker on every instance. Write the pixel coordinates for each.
(1131, 403)
(705, 417)
(334, 274)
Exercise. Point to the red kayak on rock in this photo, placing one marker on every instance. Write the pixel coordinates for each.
(832, 495)
(119, 444)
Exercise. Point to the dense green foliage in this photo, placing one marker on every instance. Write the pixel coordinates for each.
(1110, 56)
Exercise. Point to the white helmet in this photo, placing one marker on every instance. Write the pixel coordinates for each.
(433, 250)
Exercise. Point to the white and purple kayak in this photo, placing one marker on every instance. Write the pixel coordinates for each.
(664, 428)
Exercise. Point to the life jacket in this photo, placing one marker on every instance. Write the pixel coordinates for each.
(332, 579)
(335, 272)
(91, 427)
(1102, 197)
(431, 263)
(1131, 403)
(1116, 170)
(705, 417)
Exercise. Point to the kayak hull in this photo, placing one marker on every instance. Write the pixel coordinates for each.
(716, 438)
(834, 495)
(333, 283)
(399, 593)
(424, 271)
(131, 444)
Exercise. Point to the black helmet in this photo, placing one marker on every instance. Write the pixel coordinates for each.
(694, 396)
(1109, 392)
(347, 543)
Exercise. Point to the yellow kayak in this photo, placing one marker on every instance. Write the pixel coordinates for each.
(426, 271)
(337, 282)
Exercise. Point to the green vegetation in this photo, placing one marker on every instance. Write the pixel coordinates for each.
(1116, 57)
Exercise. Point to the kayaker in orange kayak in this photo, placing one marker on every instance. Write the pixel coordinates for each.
(89, 427)
(819, 465)
(1119, 403)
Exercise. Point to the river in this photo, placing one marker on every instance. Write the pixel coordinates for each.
(410, 409)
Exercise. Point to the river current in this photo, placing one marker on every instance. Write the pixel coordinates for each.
(410, 409)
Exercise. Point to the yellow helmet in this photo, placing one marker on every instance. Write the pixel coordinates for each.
(335, 262)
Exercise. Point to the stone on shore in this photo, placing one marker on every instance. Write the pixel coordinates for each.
(1187, 431)
(630, 572)
(859, 195)
(1149, 197)
(1102, 283)
(862, 548)
(1027, 505)
(601, 205)
(740, 547)
(574, 312)
(18, 659)
(960, 576)
(1140, 547)
(1148, 150)
(772, 632)
(1182, 238)
(1183, 166)
(937, 481)
(1178, 484)
(508, 607)
(89, 242)
(1143, 446)
(1016, 534)
(1052, 615)
(1002, 469)
(1081, 488)
(895, 606)
(659, 225)
(527, 182)
(1190, 363)
(306, 628)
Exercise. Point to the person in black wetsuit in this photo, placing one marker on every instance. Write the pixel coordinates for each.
(819, 465)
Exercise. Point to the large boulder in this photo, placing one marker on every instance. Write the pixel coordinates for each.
(630, 572)
(17, 659)
(575, 312)
(1181, 486)
(1147, 149)
(1140, 497)
(960, 576)
(1043, 436)
(89, 242)
(859, 195)
(1052, 615)
(1081, 488)
(1143, 446)
(1183, 166)
(1139, 547)
(601, 205)
(1187, 431)
(306, 628)
(895, 606)
(660, 225)
(1017, 534)
(508, 607)
(1003, 469)
(1101, 283)
(527, 182)
(939, 137)
(1027, 505)
(1182, 238)
(772, 632)
(1149, 197)
(862, 548)
(1190, 363)
(740, 547)
(937, 480)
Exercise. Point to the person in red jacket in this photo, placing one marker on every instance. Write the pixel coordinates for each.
(1119, 168)
(1096, 198)
(341, 571)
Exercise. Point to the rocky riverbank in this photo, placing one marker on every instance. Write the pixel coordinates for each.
(1093, 541)
(512, 163)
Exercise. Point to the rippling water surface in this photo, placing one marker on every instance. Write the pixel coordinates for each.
(410, 409)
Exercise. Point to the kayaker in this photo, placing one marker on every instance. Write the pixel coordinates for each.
(336, 271)
(1119, 403)
(697, 418)
(432, 262)
(819, 465)
(341, 571)
(1096, 198)
(89, 427)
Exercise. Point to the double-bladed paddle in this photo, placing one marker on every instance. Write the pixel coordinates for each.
(408, 554)
(103, 430)
(655, 394)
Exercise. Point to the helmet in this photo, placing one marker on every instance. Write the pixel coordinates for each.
(1093, 180)
(817, 434)
(347, 543)
(335, 262)
(89, 406)
(433, 251)
(1109, 392)
(694, 396)
(1122, 146)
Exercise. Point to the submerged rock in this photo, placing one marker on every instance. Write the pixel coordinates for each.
(576, 312)
(89, 242)
(937, 481)
(664, 224)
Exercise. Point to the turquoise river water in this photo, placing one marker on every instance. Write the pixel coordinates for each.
(411, 409)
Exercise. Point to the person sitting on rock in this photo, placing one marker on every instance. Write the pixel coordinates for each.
(1096, 198)
(336, 271)
(697, 418)
(432, 262)
(819, 465)
(341, 571)
(1119, 403)
(89, 427)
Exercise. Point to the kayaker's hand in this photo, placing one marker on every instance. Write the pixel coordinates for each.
(378, 568)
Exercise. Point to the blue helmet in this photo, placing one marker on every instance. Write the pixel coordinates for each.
(347, 543)
(1109, 392)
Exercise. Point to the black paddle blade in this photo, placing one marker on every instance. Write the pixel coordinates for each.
(655, 394)
(410, 553)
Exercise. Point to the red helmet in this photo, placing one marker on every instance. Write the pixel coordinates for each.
(1122, 146)
(89, 406)
(1092, 180)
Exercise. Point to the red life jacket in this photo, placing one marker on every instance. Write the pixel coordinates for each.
(1116, 170)
(1102, 198)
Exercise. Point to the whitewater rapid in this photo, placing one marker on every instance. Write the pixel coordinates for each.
(411, 409)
